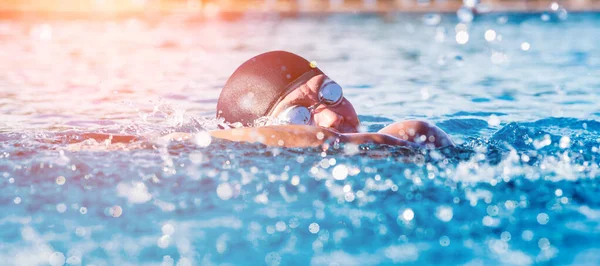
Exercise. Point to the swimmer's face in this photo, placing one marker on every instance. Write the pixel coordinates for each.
(340, 117)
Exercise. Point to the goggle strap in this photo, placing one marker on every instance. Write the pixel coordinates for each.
(292, 86)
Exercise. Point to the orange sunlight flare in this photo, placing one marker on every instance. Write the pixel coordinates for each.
(101, 6)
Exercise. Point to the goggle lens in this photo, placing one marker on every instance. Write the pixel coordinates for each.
(296, 115)
(331, 93)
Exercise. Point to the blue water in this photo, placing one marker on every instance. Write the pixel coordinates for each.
(520, 188)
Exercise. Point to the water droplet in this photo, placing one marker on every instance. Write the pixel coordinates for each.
(562, 14)
(80, 231)
(347, 188)
(135, 192)
(224, 191)
(505, 236)
(168, 229)
(295, 180)
(490, 35)
(545, 17)
(444, 241)
(490, 221)
(527, 235)
(340, 172)
(492, 210)
(167, 261)
(273, 259)
(83, 210)
(502, 20)
(349, 197)
(432, 19)
(56, 259)
(61, 208)
(565, 142)
(61, 180)
(462, 37)
(163, 241)
(351, 149)
(408, 215)
(313, 228)
(294, 222)
(202, 139)
(471, 3)
(74, 260)
(544, 243)
(221, 244)
(320, 135)
(558, 192)
(493, 121)
(461, 27)
(543, 218)
(465, 14)
(115, 211)
(444, 213)
(280, 226)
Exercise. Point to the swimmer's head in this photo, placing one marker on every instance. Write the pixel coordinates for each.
(259, 83)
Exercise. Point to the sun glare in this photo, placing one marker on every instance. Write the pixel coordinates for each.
(100, 6)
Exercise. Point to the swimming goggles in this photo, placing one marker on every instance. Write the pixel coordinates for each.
(330, 94)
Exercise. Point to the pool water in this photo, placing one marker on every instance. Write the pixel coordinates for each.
(517, 93)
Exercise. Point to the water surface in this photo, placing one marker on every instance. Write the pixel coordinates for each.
(519, 189)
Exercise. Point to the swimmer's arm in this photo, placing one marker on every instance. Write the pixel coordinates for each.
(305, 136)
(283, 135)
(295, 136)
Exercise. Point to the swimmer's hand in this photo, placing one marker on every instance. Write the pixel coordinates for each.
(419, 132)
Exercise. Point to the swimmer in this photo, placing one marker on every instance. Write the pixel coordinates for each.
(280, 99)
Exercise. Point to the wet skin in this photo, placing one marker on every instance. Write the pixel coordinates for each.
(340, 117)
(331, 123)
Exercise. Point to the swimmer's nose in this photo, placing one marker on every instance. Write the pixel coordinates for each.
(328, 118)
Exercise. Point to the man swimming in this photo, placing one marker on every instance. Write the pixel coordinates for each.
(302, 107)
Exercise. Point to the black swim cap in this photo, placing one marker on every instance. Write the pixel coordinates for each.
(259, 83)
